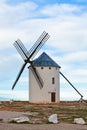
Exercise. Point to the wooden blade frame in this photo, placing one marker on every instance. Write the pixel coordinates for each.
(21, 49)
(37, 77)
(38, 44)
(28, 55)
(19, 74)
(72, 86)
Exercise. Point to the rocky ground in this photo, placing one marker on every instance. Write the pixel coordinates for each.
(38, 115)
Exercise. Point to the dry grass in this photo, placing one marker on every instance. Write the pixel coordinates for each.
(66, 111)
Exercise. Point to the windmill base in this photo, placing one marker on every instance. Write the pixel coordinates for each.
(44, 102)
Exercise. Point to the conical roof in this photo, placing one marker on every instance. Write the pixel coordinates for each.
(45, 60)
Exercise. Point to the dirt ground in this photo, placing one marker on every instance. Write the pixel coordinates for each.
(60, 126)
(16, 109)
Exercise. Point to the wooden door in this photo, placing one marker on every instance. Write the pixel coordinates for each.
(53, 97)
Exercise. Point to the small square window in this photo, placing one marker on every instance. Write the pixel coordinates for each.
(53, 80)
(42, 67)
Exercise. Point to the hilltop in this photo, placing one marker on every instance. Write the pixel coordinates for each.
(66, 111)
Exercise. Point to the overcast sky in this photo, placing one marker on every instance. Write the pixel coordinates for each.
(66, 23)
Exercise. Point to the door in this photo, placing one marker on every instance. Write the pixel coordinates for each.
(53, 97)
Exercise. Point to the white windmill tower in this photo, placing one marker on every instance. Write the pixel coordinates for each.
(49, 73)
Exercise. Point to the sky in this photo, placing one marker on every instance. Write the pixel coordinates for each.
(66, 23)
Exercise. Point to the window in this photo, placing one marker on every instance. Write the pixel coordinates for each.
(53, 80)
(42, 67)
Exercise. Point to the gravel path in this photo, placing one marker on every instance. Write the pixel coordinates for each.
(61, 126)
(7, 115)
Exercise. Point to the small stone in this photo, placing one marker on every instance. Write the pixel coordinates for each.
(79, 121)
(53, 118)
(21, 119)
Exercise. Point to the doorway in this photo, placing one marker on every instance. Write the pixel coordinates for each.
(53, 97)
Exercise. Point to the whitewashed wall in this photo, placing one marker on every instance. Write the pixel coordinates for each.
(44, 95)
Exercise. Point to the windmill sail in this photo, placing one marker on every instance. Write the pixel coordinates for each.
(37, 77)
(38, 44)
(21, 49)
(28, 55)
(19, 74)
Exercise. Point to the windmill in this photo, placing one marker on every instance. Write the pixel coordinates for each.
(51, 77)
(29, 55)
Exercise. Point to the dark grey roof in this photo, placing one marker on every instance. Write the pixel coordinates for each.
(45, 60)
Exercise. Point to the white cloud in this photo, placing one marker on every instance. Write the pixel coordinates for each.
(67, 31)
(70, 94)
(60, 9)
(73, 57)
(82, 72)
(11, 14)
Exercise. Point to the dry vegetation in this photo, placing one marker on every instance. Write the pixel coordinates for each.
(66, 111)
